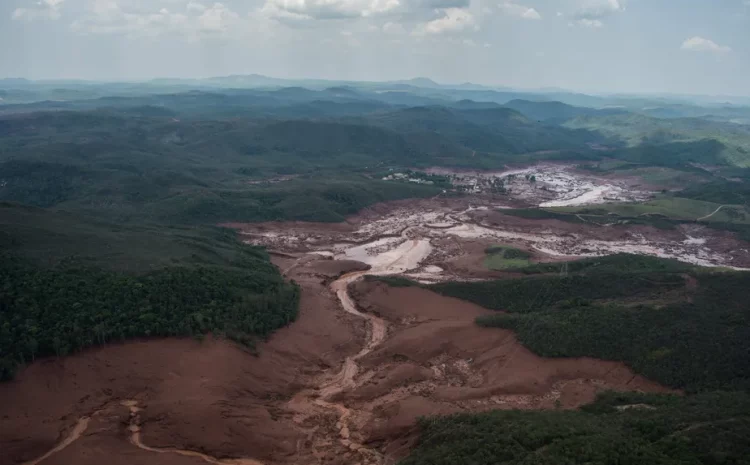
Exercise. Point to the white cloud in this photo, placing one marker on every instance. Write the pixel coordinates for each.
(519, 11)
(592, 23)
(454, 20)
(327, 9)
(591, 13)
(700, 44)
(197, 20)
(39, 10)
(298, 11)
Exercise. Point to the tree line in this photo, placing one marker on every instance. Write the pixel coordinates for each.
(61, 310)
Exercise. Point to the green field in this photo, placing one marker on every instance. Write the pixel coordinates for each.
(502, 257)
(678, 208)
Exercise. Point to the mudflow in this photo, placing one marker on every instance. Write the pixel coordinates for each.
(344, 384)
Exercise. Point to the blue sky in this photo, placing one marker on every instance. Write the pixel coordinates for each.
(637, 46)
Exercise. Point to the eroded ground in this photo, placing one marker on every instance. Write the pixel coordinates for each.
(345, 382)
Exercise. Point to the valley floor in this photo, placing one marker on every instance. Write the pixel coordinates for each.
(300, 400)
(346, 382)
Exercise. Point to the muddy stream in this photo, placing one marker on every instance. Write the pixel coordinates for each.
(407, 256)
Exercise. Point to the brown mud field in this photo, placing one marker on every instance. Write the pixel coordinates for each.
(336, 386)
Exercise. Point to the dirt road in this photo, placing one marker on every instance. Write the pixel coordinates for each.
(712, 214)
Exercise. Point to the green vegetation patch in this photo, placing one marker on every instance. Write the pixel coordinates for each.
(672, 141)
(535, 294)
(706, 429)
(617, 263)
(677, 208)
(48, 238)
(628, 308)
(502, 257)
(69, 281)
(666, 212)
(721, 192)
(59, 310)
(695, 345)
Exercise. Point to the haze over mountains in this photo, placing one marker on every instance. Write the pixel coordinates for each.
(422, 85)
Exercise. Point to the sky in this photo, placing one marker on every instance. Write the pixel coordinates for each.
(595, 46)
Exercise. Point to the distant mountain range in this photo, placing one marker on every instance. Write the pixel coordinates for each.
(419, 85)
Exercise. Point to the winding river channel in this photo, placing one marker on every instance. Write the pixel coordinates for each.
(407, 256)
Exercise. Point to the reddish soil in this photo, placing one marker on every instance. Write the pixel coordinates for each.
(211, 396)
(335, 268)
(437, 360)
(150, 401)
(464, 258)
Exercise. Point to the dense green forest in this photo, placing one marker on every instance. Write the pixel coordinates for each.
(677, 324)
(680, 325)
(722, 142)
(539, 293)
(695, 345)
(307, 154)
(63, 309)
(70, 281)
(618, 429)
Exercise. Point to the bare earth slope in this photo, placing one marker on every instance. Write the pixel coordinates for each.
(209, 396)
(437, 360)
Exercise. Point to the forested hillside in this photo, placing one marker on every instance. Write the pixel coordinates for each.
(678, 325)
(724, 142)
(633, 429)
(683, 326)
(71, 281)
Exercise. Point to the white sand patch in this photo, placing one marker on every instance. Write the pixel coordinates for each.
(325, 253)
(474, 231)
(406, 256)
(597, 195)
(694, 241)
(367, 253)
(411, 229)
